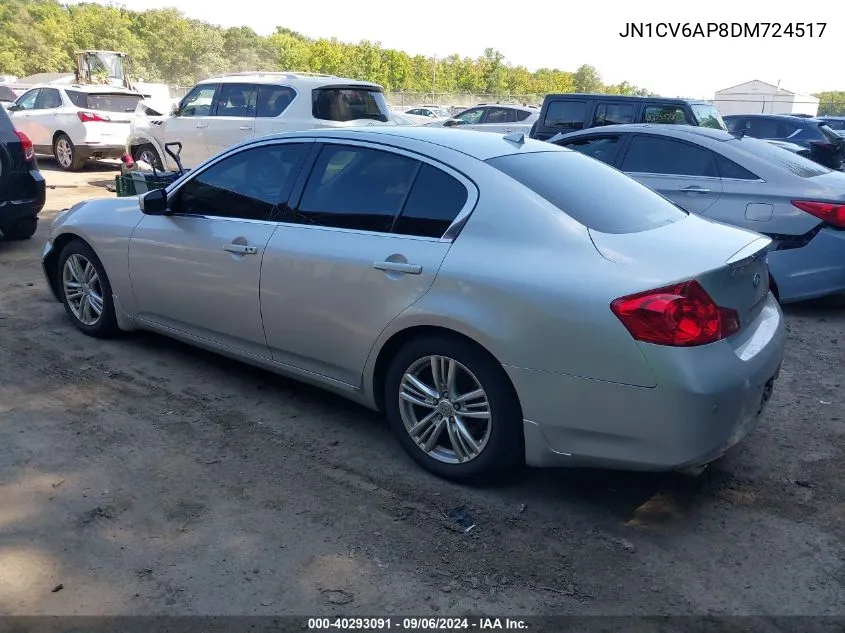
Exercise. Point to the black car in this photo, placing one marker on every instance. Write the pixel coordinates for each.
(562, 113)
(22, 187)
(826, 146)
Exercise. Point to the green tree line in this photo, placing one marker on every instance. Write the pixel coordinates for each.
(831, 103)
(165, 46)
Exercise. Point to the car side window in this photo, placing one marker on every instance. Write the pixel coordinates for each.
(236, 100)
(48, 99)
(521, 115)
(245, 185)
(435, 200)
(603, 148)
(659, 155)
(356, 188)
(27, 100)
(500, 115)
(613, 114)
(729, 169)
(470, 117)
(735, 125)
(198, 101)
(666, 114)
(762, 128)
(415, 112)
(788, 130)
(273, 100)
(566, 115)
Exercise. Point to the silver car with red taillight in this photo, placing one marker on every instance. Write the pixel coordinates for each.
(503, 301)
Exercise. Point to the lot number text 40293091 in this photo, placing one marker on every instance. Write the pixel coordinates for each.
(723, 29)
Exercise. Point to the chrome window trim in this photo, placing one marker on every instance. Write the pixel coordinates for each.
(174, 187)
(449, 235)
(452, 230)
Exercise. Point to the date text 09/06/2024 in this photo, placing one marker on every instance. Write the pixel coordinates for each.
(416, 624)
(723, 29)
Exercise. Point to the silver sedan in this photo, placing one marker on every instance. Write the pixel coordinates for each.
(501, 300)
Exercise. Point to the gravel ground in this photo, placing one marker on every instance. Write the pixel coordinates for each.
(142, 476)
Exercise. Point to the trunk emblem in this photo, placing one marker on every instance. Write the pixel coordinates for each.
(756, 280)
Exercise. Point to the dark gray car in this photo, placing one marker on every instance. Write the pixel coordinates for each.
(741, 181)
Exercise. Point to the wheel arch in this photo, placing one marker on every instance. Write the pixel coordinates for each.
(138, 138)
(56, 136)
(398, 339)
(51, 260)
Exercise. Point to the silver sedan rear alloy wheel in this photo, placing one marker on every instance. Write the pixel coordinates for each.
(445, 409)
(83, 290)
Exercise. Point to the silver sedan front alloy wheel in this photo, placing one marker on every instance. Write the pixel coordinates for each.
(83, 289)
(445, 409)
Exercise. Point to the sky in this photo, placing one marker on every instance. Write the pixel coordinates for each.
(564, 35)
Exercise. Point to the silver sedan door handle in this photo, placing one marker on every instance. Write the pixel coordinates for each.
(695, 189)
(243, 249)
(245, 127)
(201, 126)
(398, 267)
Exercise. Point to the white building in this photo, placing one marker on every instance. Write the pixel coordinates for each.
(759, 97)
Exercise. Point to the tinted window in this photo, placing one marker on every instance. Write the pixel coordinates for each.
(566, 114)
(500, 115)
(6, 94)
(356, 188)
(349, 104)
(48, 99)
(735, 125)
(666, 114)
(104, 102)
(657, 155)
(834, 124)
(521, 115)
(435, 201)
(236, 100)
(273, 100)
(416, 112)
(470, 117)
(789, 130)
(708, 116)
(599, 197)
(729, 169)
(603, 148)
(761, 128)
(245, 185)
(780, 157)
(198, 101)
(27, 100)
(613, 114)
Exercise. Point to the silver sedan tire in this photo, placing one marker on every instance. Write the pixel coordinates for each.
(454, 410)
(85, 290)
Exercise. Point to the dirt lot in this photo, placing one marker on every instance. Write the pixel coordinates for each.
(144, 476)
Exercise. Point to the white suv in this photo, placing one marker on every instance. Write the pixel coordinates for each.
(223, 111)
(75, 122)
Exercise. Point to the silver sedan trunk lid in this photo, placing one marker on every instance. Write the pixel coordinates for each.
(729, 263)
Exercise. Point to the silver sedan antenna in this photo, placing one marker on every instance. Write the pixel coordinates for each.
(515, 137)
